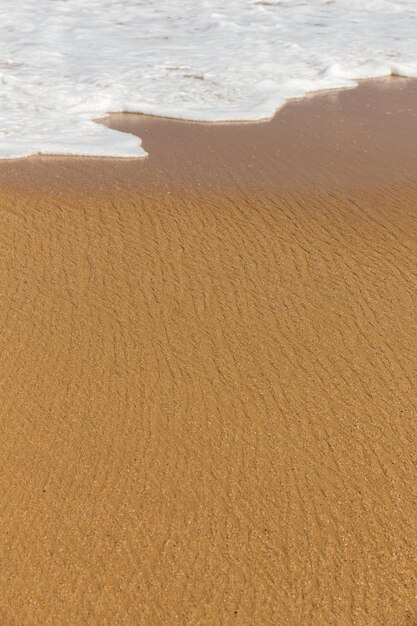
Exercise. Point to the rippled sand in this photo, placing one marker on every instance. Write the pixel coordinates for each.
(208, 368)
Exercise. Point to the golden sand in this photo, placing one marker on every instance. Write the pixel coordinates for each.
(208, 368)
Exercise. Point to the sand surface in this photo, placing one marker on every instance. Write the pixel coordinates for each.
(208, 373)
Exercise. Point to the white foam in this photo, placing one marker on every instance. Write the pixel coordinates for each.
(65, 62)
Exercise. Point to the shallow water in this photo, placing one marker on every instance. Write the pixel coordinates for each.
(64, 63)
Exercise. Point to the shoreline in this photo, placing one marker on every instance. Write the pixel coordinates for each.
(208, 355)
(312, 143)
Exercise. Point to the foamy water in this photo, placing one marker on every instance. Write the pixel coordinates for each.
(65, 62)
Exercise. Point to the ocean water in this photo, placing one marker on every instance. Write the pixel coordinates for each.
(64, 63)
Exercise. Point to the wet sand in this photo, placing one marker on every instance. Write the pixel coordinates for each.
(208, 372)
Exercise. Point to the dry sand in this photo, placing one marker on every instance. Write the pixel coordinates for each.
(208, 368)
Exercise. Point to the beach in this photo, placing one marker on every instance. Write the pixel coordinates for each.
(208, 372)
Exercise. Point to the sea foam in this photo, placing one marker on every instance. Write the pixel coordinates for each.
(64, 63)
